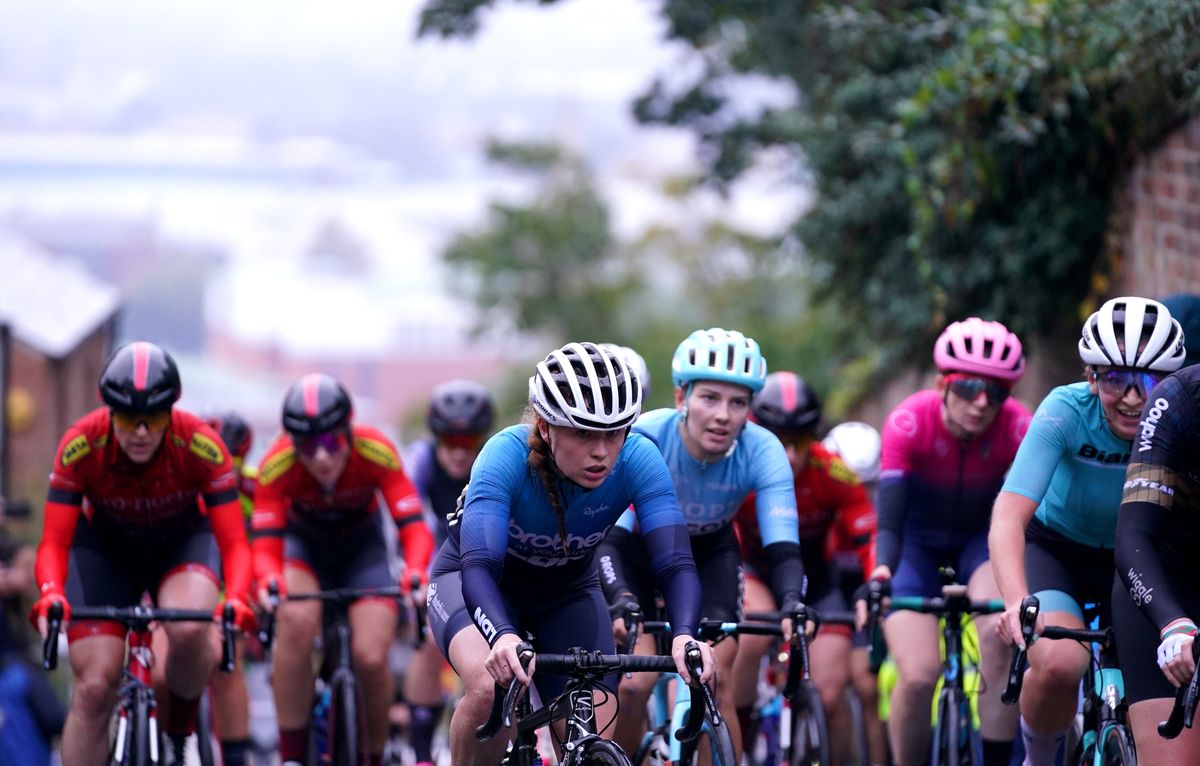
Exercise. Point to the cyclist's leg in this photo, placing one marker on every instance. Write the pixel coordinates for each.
(373, 624)
(231, 712)
(997, 721)
(747, 666)
(189, 581)
(296, 628)
(913, 642)
(425, 696)
(633, 694)
(829, 656)
(719, 564)
(866, 685)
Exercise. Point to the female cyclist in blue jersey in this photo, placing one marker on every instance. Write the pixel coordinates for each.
(716, 459)
(518, 556)
(945, 453)
(1054, 522)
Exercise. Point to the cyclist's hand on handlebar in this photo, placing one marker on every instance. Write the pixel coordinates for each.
(41, 607)
(243, 615)
(620, 610)
(881, 578)
(413, 580)
(678, 651)
(1175, 655)
(1009, 626)
(504, 665)
(265, 597)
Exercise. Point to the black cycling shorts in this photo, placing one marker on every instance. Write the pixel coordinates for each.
(1060, 569)
(354, 558)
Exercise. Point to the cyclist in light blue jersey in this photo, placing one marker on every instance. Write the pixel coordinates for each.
(1054, 521)
(716, 459)
(518, 555)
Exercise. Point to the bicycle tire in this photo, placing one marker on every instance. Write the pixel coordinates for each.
(657, 737)
(861, 755)
(810, 729)
(1117, 746)
(204, 733)
(597, 752)
(347, 732)
(945, 733)
(140, 732)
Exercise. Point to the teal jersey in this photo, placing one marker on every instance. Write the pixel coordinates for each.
(1072, 466)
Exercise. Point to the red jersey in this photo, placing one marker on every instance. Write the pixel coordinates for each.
(289, 496)
(134, 504)
(833, 508)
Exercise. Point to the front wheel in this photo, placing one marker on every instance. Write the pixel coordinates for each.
(810, 730)
(956, 742)
(347, 728)
(597, 752)
(1117, 746)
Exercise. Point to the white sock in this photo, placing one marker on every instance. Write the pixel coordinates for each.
(1042, 749)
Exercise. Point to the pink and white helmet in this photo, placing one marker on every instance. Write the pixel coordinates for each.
(979, 347)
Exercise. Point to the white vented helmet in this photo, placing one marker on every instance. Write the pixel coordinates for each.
(1133, 332)
(635, 362)
(582, 385)
(858, 445)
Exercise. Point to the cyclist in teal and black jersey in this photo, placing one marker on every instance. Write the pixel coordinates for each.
(716, 459)
(1156, 598)
(1054, 522)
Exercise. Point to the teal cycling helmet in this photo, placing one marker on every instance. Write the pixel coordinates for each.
(723, 355)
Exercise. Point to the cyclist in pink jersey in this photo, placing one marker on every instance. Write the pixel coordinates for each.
(945, 453)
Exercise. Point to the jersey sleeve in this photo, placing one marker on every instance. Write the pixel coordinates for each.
(483, 538)
(855, 516)
(404, 504)
(1149, 498)
(211, 458)
(1042, 448)
(899, 438)
(64, 502)
(778, 521)
(269, 520)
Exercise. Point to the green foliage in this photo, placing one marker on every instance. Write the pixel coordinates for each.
(964, 153)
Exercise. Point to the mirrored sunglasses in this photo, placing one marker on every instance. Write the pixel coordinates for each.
(332, 442)
(1117, 382)
(461, 441)
(970, 388)
(130, 421)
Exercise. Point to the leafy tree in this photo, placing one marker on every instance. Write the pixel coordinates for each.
(964, 153)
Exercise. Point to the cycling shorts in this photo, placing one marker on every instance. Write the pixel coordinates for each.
(1137, 636)
(718, 564)
(917, 572)
(1065, 575)
(356, 558)
(576, 617)
(105, 571)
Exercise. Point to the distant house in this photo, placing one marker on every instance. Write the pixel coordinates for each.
(61, 327)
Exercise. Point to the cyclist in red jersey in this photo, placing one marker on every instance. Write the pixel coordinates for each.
(142, 496)
(829, 500)
(316, 526)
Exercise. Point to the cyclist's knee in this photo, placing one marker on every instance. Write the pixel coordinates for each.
(95, 694)
(635, 690)
(297, 626)
(370, 659)
(1058, 670)
(831, 688)
(190, 639)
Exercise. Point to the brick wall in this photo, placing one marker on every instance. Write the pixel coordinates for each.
(1158, 214)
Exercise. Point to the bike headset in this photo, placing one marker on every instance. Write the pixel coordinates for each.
(140, 377)
(717, 354)
(316, 404)
(460, 407)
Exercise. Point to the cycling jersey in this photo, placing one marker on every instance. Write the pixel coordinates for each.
(1158, 526)
(505, 538)
(936, 489)
(131, 505)
(438, 487)
(1072, 465)
(831, 503)
(711, 492)
(290, 498)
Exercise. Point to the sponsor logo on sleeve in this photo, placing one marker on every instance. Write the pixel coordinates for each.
(1139, 592)
(377, 452)
(276, 465)
(1149, 424)
(484, 623)
(842, 472)
(1149, 483)
(206, 448)
(75, 449)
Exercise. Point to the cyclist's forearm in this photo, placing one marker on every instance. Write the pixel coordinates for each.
(485, 602)
(786, 572)
(891, 510)
(1006, 544)
(610, 558)
(1139, 526)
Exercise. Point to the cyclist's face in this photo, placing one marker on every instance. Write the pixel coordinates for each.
(584, 457)
(324, 458)
(716, 412)
(139, 440)
(456, 454)
(966, 418)
(1122, 412)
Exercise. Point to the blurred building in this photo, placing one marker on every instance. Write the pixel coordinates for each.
(61, 323)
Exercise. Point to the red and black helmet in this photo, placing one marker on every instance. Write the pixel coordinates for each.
(460, 407)
(786, 404)
(316, 404)
(234, 431)
(140, 377)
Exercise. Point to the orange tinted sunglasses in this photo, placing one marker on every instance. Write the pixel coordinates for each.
(130, 421)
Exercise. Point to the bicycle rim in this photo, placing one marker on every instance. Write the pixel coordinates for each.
(720, 741)
(858, 739)
(1117, 746)
(346, 730)
(810, 731)
(946, 751)
(204, 733)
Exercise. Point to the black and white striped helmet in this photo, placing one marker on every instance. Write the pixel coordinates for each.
(1133, 332)
(582, 385)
